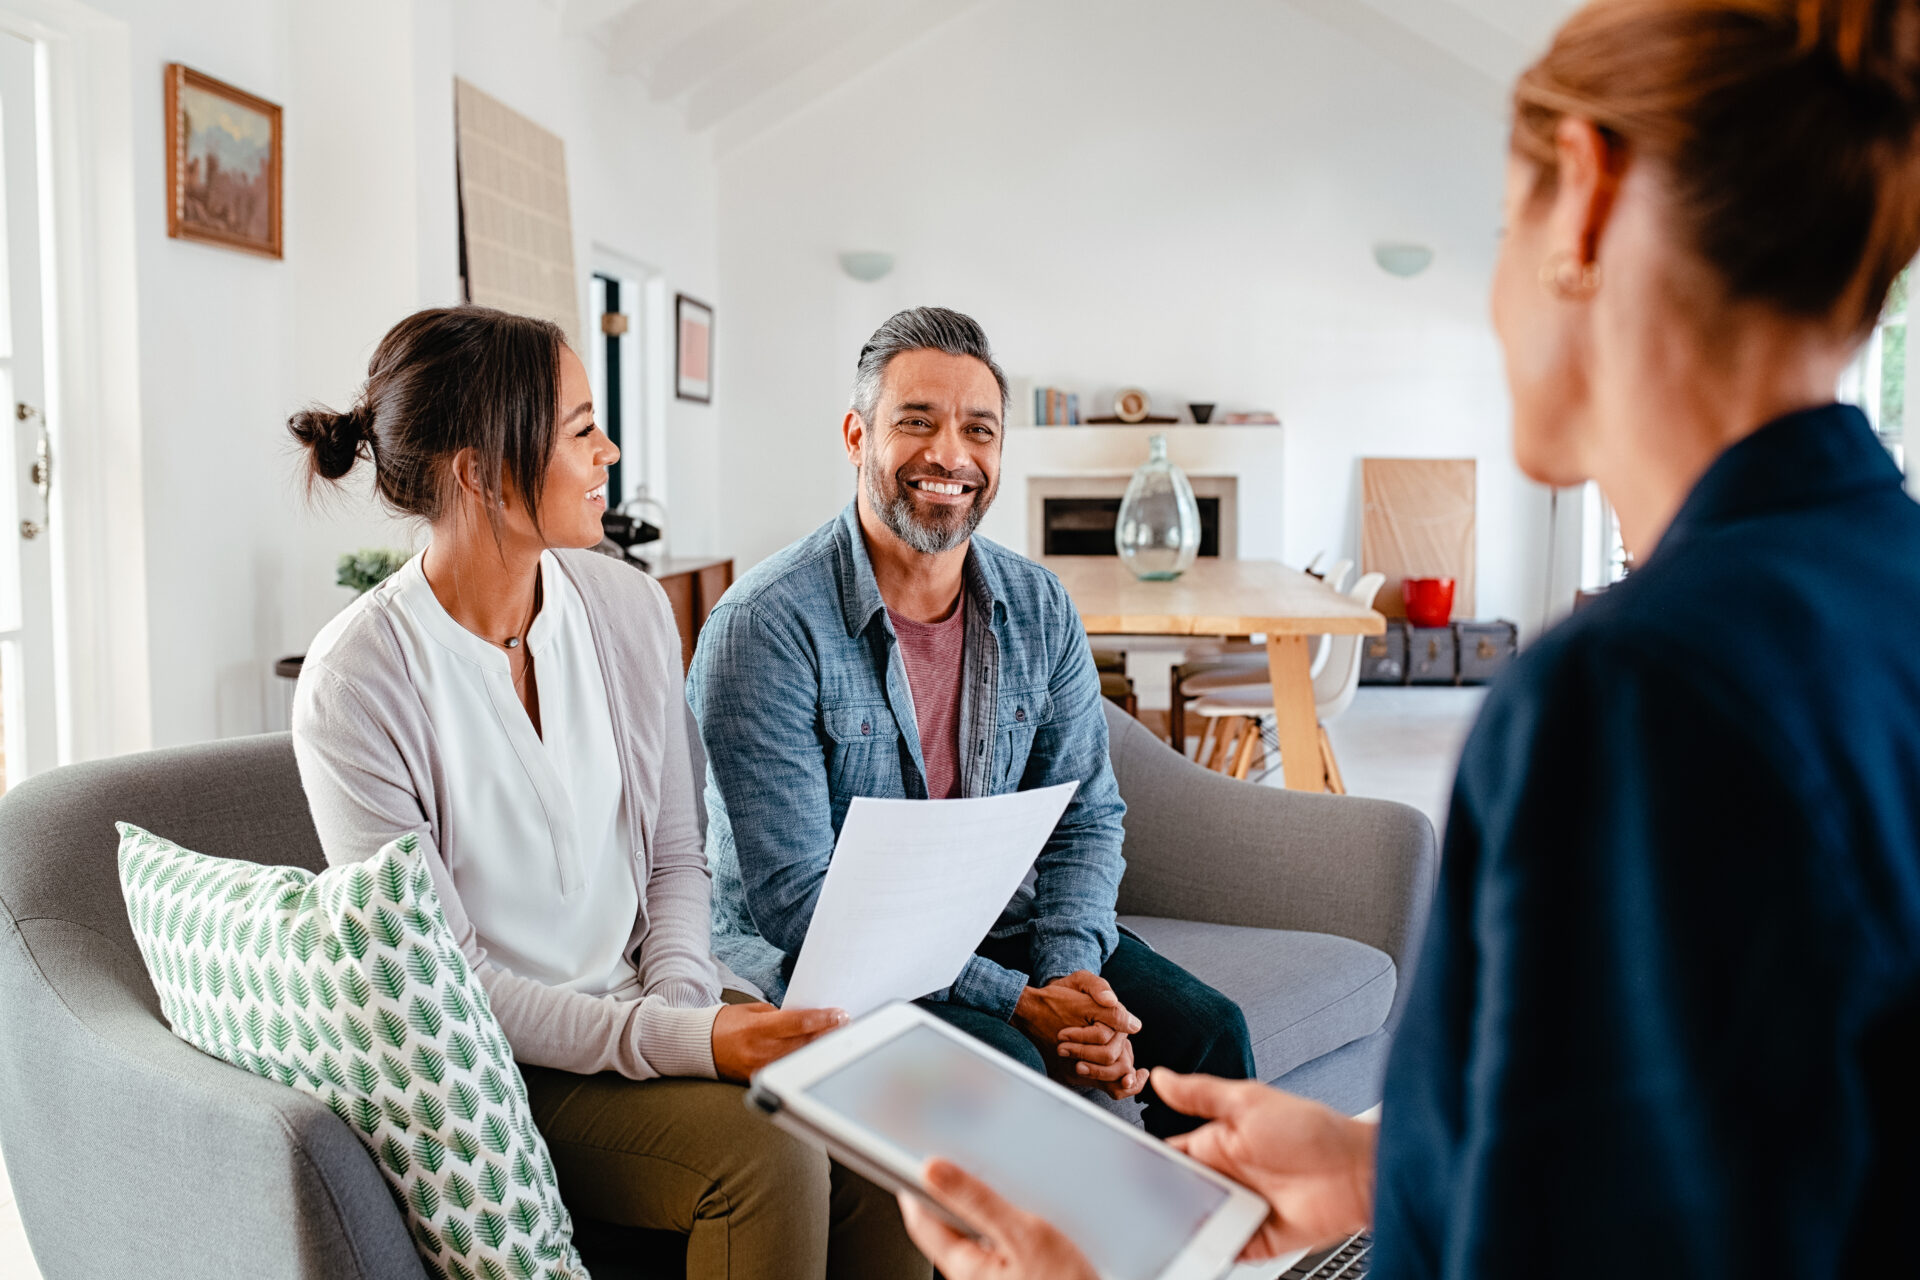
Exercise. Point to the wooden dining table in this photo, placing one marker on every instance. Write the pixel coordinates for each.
(1219, 598)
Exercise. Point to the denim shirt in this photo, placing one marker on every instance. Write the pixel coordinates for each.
(803, 703)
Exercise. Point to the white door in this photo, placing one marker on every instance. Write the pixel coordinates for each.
(28, 706)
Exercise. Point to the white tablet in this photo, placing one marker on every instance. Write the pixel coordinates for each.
(892, 1089)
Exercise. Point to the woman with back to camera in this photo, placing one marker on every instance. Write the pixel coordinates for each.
(1667, 1015)
(518, 703)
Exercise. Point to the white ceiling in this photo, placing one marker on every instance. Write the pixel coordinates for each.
(737, 67)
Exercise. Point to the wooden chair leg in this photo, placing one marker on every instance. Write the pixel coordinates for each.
(1249, 743)
(1213, 741)
(1231, 760)
(1334, 782)
(1225, 738)
(1259, 761)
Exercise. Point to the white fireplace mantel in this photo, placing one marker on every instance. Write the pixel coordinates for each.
(1114, 485)
(1105, 458)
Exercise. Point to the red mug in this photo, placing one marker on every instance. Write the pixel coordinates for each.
(1429, 601)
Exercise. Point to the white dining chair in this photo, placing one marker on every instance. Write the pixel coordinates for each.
(1237, 716)
(1339, 576)
(1223, 665)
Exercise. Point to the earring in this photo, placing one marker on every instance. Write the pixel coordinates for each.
(1568, 279)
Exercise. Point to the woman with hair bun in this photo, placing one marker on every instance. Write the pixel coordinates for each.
(1667, 1015)
(516, 701)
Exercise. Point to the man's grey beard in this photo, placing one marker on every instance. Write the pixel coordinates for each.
(898, 515)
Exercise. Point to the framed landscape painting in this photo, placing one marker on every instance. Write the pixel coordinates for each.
(693, 353)
(223, 164)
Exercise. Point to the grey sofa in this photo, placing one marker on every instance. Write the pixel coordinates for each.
(1306, 909)
(132, 1154)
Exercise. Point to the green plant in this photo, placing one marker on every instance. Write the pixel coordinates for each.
(367, 568)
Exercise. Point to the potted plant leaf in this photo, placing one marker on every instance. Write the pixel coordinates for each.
(368, 567)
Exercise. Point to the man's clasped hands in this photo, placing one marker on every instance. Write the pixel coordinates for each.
(1084, 1032)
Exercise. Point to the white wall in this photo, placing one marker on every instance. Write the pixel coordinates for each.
(1180, 197)
(240, 569)
(214, 362)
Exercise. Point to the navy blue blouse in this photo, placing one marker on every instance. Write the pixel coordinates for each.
(1667, 1014)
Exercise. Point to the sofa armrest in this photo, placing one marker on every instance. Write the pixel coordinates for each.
(132, 1153)
(1205, 847)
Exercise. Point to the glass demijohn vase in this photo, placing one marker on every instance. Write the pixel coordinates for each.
(1158, 532)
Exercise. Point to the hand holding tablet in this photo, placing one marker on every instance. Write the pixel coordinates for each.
(899, 1087)
(1011, 1244)
(1311, 1164)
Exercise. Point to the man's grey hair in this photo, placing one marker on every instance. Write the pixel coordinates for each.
(920, 329)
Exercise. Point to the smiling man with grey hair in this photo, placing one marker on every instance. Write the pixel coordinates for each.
(892, 653)
(930, 530)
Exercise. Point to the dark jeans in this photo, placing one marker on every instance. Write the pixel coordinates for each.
(1184, 1023)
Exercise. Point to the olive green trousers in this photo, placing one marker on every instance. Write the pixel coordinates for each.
(688, 1156)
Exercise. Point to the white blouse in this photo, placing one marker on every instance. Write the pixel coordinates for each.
(547, 870)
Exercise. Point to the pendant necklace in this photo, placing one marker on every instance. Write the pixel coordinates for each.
(513, 642)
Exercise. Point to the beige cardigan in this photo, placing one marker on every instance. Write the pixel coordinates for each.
(373, 772)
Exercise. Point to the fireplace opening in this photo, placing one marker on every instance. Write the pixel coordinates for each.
(1084, 526)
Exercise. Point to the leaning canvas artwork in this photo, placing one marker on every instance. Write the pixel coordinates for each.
(223, 164)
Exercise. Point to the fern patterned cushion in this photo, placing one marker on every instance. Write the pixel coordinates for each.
(348, 986)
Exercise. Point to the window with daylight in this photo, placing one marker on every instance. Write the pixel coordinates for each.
(1877, 379)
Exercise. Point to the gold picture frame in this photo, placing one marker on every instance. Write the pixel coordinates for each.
(223, 164)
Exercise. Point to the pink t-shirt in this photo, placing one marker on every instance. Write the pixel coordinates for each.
(932, 653)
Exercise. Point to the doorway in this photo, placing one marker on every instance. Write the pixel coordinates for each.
(73, 596)
(617, 374)
(626, 339)
(29, 526)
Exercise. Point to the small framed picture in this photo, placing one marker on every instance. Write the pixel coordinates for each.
(223, 164)
(693, 349)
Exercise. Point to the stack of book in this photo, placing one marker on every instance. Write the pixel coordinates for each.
(1053, 407)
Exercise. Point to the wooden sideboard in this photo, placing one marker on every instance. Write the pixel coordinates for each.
(694, 585)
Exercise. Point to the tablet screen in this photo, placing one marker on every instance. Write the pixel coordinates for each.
(1129, 1208)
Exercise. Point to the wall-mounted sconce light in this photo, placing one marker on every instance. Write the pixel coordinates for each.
(866, 265)
(1403, 260)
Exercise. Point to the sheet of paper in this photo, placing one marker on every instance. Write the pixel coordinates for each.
(913, 887)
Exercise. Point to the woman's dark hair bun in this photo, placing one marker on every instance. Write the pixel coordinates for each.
(1875, 43)
(444, 380)
(333, 441)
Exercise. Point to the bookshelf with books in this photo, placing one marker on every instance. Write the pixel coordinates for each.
(1032, 405)
(1053, 407)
